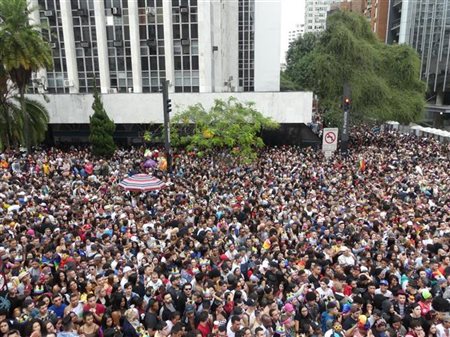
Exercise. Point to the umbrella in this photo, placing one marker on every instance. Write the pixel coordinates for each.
(150, 163)
(142, 183)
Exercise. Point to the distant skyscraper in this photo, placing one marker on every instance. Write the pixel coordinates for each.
(298, 30)
(316, 15)
(423, 24)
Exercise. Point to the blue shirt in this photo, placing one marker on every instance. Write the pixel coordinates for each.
(59, 311)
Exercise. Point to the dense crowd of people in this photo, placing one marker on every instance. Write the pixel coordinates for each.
(292, 244)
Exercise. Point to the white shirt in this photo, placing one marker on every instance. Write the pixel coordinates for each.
(440, 331)
(346, 260)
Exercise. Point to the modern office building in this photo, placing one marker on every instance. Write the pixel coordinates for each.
(423, 24)
(129, 46)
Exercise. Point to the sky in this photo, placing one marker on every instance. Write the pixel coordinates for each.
(292, 13)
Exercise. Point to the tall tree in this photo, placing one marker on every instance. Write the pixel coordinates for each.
(12, 117)
(227, 125)
(299, 60)
(22, 51)
(384, 79)
(101, 129)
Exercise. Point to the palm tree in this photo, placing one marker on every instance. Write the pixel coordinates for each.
(22, 51)
(12, 117)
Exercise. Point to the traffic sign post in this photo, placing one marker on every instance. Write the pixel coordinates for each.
(329, 141)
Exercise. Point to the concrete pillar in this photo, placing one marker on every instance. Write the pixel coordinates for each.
(168, 44)
(439, 98)
(228, 55)
(267, 45)
(205, 46)
(102, 45)
(35, 19)
(69, 46)
(135, 45)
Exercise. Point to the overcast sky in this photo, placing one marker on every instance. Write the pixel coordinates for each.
(292, 13)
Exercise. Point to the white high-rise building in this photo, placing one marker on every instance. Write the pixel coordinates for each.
(297, 31)
(206, 49)
(316, 15)
(131, 45)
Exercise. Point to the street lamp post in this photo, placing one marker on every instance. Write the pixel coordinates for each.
(345, 126)
(167, 108)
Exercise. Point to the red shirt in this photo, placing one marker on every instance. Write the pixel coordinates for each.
(99, 309)
(205, 330)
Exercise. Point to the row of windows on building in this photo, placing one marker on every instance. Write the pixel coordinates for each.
(151, 40)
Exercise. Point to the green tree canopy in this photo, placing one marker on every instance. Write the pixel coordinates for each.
(228, 124)
(299, 60)
(102, 129)
(384, 79)
(12, 117)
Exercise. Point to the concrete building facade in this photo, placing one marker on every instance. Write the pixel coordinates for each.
(295, 32)
(207, 50)
(378, 12)
(130, 46)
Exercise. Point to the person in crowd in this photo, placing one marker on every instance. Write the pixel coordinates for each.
(290, 243)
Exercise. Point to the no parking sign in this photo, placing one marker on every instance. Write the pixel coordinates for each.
(329, 141)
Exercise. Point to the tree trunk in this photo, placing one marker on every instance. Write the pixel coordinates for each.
(26, 121)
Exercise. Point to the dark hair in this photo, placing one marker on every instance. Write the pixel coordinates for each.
(90, 295)
(104, 319)
(177, 328)
(203, 316)
(160, 325)
(86, 314)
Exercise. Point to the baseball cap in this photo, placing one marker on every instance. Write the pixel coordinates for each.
(426, 294)
(190, 308)
(384, 283)
(289, 308)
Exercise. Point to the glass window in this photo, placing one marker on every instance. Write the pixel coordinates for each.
(160, 32)
(144, 63)
(151, 32)
(77, 34)
(177, 64)
(153, 63)
(186, 62)
(185, 31)
(142, 32)
(112, 64)
(80, 64)
(195, 62)
(176, 31)
(120, 64)
(194, 31)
